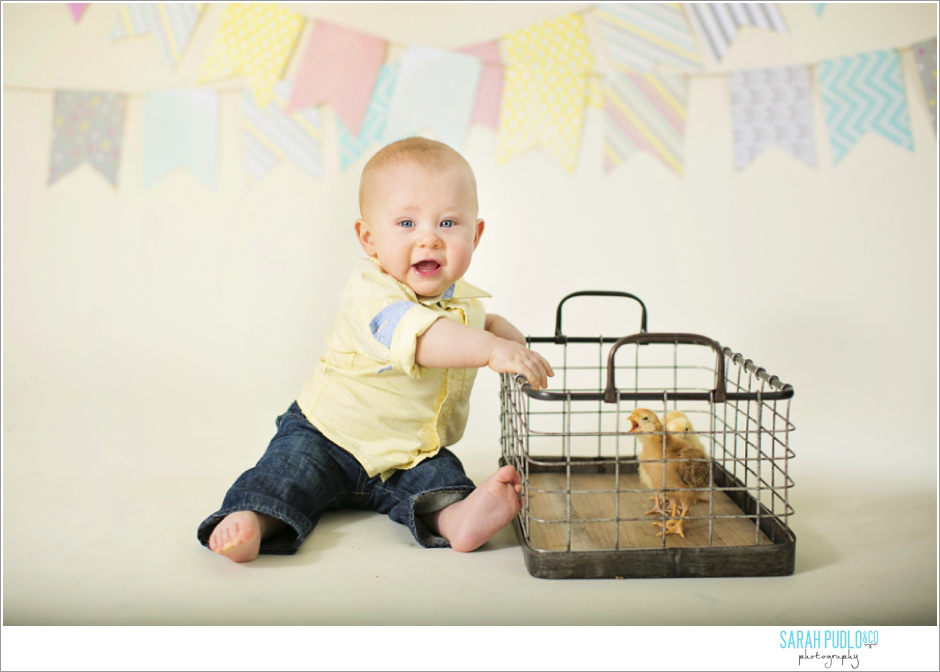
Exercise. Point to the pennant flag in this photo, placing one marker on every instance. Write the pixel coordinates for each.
(351, 146)
(638, 36)
(925, 56)
(272, 135)
(645, 111)
(595, 92)
(719, 22)
(339, 66)
(180, 128)
(545, 90)
(172, 23)
(864, 93)
(434, 89)
(819, 6)
(772, 106)
(76, 9)
(87, 126)
(255, 40)
(490, 91)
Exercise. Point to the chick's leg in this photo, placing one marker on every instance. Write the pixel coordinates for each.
(672, 526)
(659, 504)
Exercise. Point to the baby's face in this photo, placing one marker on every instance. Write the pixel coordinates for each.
(421, 224)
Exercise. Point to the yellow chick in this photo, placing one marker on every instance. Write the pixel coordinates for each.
(685, 472)
(678, 422)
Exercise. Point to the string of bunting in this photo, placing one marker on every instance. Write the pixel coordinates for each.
(532, 87)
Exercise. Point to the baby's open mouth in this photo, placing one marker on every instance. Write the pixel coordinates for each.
(426, 267)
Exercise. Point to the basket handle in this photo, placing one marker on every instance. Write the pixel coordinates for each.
(558, 335)
(720, 392)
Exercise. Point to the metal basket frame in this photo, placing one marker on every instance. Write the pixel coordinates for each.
(748, 429)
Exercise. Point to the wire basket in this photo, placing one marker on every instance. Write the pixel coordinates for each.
(584, 513)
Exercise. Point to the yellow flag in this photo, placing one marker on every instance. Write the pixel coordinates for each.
(254, 40)
(545, 90)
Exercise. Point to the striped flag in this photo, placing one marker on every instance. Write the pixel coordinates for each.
(272, 136)
(864, 93)
(719, 22)
(172, 23)
(638, 36)
(645, 112)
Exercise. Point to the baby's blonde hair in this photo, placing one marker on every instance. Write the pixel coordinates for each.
(423, 151)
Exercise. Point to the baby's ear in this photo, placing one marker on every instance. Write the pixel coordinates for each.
(365, 237)
(479, 233)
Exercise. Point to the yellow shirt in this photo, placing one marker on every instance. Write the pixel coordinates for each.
(368, 395)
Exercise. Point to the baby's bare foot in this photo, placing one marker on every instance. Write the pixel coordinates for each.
(238, 536)
(472, 521)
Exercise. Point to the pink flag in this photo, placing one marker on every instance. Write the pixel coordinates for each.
(77, 9)
(490, 91)
(339, 66)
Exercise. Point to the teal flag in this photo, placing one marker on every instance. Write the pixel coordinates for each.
(864, 94)
(435, 90)
(180, 128)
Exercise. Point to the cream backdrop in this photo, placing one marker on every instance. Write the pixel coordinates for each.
(150, 337)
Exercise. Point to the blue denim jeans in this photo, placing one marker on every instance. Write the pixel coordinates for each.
(303, 474)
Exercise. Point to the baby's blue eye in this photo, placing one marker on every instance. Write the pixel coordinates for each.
(406, 224)
(448, 223)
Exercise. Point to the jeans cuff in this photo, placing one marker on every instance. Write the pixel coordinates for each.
(429, 502)
(284, 542)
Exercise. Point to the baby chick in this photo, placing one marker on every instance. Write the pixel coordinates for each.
(686, 472)
(678, 422)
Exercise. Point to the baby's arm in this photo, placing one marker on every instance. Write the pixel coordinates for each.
(447, 344)
(499, 326)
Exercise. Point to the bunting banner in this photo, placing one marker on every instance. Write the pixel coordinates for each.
(351, 147)
(76, 9)
(639, 36)
(180, 128)
(272, 135)
(339, 66)
(490, 89)
(772, 106)
(172, 23)
(864, 93)
(718, 22)
(87, 126)
(645, 112)
(545, 91)
(254, 40)
(435, 89)
(534, 99)
(925, 56)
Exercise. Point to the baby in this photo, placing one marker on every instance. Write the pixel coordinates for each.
(370, 429)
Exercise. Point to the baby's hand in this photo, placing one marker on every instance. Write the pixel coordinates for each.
(511, 357)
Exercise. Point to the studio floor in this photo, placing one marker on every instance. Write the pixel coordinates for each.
(107, 536)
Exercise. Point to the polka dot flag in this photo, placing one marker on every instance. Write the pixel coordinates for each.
(87, 126)
(255, 40)
(545, 90)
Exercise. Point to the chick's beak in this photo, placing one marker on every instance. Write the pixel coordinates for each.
(635, 425)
